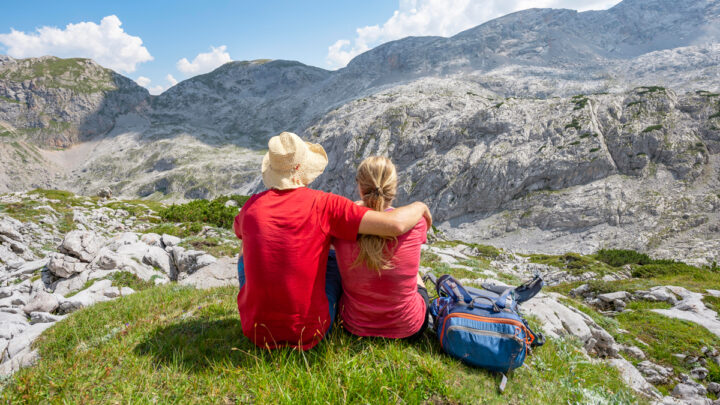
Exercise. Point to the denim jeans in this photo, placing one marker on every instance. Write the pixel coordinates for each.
(333, 285)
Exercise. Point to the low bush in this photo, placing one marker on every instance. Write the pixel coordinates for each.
(621, 257)
(213, 212)
(663, 268)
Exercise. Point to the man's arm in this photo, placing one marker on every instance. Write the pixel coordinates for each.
(395, 222)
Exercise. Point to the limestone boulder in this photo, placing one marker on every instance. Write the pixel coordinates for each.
(83, 245)
(64, 266)
(218, 274)
(42, 302)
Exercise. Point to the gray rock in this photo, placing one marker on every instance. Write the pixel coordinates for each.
(169, 240)
(104, 192)
(69, 285)
(713, 388)
(9, 229)
(189, 261)
(633, 351)
(159, 258)
(42, 302)
(44, 317)
(26, 358)
(152, 239)
(83, 245)
(655, 374)
(699, 373)
(219, 274)
(634, 378)
(23, 340)
(613, 296)
(580, 290)
(65, 266)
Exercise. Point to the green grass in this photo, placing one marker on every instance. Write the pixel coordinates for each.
(652, 128)
(580, 102)
(484, 250)
(574, 124)
(9, 100)
(179, 345)
(621, 257)
(214, 246)
(573, 263)
(650, 89)
(632, 103)
(181, 230)
(716, 115)
(594, 150)
(211, 212)
(127, 279)
(678, 337)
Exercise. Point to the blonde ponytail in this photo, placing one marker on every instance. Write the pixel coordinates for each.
(377, 180)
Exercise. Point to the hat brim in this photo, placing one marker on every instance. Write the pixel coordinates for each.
(315, 162)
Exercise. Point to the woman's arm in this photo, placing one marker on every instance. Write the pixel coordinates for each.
(395, 222)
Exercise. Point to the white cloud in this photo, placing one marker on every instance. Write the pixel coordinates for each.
(155, 90)
(204, 62)
(106, 43)
(171, 79)
(442, 17)
(143, 81)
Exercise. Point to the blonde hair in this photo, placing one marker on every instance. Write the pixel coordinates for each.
(377, 180)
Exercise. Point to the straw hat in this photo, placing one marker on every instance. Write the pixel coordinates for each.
(291, 162)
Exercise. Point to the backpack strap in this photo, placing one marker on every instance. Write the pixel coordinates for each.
(528, 289)
(447, 285)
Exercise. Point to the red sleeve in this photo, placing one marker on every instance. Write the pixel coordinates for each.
(343, 216)
(237, 225)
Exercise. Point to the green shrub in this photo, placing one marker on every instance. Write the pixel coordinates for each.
(663, 268)
(620, 257)
(652, 128)
(210, 212)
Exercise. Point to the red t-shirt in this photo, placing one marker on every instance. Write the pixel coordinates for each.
(286, 238)
(383, 304)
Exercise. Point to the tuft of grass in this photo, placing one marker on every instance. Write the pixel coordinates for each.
(574, 124)
(180, 345)
(652, 128)
(594, 150)
(128, 279)
(60, 195)
(632, 103)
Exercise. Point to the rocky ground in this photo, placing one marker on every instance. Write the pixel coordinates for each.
(47, 272)
(60, 253)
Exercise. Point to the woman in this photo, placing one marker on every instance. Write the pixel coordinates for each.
(383, 295)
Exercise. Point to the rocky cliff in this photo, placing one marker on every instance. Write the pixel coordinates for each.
(544, 130)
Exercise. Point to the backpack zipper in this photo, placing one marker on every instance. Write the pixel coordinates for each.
(486, 333)
(518, 325)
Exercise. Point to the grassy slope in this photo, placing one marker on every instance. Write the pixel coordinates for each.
(179, 345)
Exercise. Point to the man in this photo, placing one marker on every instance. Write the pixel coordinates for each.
(289, 290)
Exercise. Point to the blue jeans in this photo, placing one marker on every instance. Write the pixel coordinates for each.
(333, 285)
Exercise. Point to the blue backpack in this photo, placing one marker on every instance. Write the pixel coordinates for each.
(482, 327)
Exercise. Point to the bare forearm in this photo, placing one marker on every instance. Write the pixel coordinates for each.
(395, 222)
(408, 216)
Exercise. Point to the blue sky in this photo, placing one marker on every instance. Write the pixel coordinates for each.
(148, 40)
